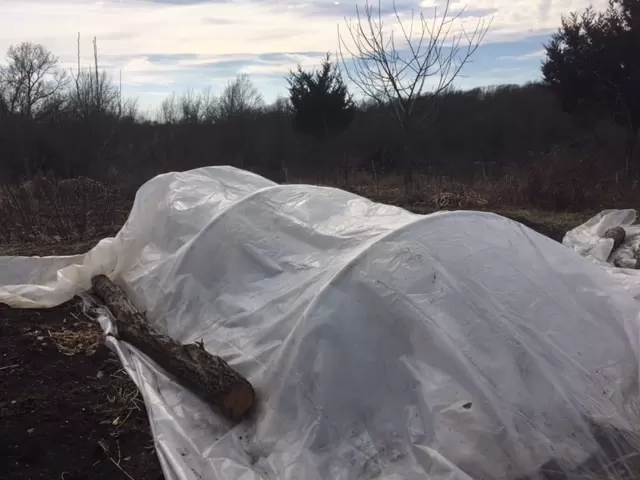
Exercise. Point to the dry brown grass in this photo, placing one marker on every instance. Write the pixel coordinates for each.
(560, 190)
(73, 338)
(123, 399)
(67, 210)
(563, 180)
(76, 342)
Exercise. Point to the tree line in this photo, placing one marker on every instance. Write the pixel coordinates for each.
(78, 123)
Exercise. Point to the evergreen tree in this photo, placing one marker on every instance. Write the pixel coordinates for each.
(593, 65)
(320, 101)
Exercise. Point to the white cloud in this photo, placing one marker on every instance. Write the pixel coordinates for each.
(142, 27)
(526, 56)
(146, 79)
(283, 67)
(128, 31)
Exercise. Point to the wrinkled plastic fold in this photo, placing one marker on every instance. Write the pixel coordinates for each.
(382, 344)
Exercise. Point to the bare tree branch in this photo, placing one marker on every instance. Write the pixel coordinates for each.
(239, 99)
(397, 75)
(189, 108)
(94, 92)
(31, 78)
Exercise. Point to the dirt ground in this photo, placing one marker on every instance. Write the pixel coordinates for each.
(67, 409)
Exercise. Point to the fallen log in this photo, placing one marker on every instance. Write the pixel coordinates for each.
(206, 375)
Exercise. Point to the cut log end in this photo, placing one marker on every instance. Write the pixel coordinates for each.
(618, 235)
(239, 403)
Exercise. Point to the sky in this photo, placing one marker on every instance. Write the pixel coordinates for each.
(165, 46)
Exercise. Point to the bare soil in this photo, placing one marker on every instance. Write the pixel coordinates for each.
(67, 410)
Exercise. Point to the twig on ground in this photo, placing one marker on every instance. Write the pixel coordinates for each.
(7, 367)
(113, 460)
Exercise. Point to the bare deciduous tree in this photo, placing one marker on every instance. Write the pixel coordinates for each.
(280, 105)
(428, 56)
(198, 108)
(188, 108)
(94, 93)
(239, 98)
(238, 110)
(4, 105)
(168, 110)
(31, 78)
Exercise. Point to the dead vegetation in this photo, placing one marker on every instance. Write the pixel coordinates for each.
(60, 210)
(70, 341)
(47, 210)
(560, 181)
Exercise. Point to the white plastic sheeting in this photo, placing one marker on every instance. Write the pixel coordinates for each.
(383, 344)
(586, 239)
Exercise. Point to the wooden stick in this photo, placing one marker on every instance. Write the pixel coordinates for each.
(207, 375)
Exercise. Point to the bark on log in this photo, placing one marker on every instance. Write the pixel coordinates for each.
(207, 375)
